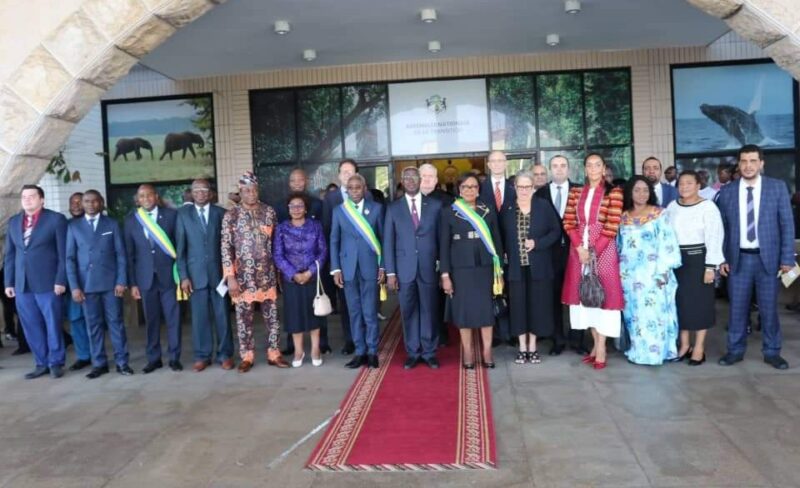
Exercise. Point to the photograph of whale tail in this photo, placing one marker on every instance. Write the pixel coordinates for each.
(182, 141)
(739, 124)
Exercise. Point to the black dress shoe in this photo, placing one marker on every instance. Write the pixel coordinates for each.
(695, 362)
(687, 354)
(730, 359)
(150, 367)
(175, 366)
(79, 365)
(776, 362)
(557, 349)
(38, 372)
(124, 370)
(432, 363)
(97, 372)
(372, 361)
(325, 350)
(356, 362)
(348, 349)
(20, 351)
(410, 363)
(56, 371)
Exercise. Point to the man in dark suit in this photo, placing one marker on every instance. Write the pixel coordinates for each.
(556, 193)
(97, 274)
(197, 235)
(495, 191)
(298, 182)
(79, 335)
(358, 269)
(410, 250)
(759, 243)
(665, 193)
(347, 168)
(150, 271)
(36, 275)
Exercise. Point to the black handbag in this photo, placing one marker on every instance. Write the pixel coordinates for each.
(591, 290)
(499, 306)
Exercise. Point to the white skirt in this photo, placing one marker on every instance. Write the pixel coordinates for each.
(606, 322)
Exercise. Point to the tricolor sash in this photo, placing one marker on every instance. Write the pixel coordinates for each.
(466, 212)
(162, 240)
(362, 226)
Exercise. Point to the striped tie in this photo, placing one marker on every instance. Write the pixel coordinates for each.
(751, 216)
(26, 235)
(498, 197)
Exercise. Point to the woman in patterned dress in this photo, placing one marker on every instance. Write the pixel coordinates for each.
(648, 254)
(591, 220)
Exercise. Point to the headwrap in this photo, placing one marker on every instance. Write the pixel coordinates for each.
(247, 179)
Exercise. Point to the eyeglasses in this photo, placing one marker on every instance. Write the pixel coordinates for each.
(200, 190)
(524, 187)
(297, 206)
(469, 187)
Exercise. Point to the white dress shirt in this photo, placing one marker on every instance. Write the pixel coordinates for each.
(502, 181)
(417, 203)
(564, 194)
(92, 220)
(743, 242)
(659, 193)
(205, 211)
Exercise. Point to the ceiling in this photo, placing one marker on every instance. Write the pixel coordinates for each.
(237, 36)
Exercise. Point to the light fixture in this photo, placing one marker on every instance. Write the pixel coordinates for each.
(309, 55)
(428, 15)
(282, 27)
(572, 6)
(553, 40)
(434, 46)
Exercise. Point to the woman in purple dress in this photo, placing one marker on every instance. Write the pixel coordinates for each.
(299, 245)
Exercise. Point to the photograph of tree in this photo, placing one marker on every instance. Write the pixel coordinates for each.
(366, 125)
(722, 107)
(560, 102)
(608, 107)
(122, 200)
(513, 117)
(273, 126)
(159, 140)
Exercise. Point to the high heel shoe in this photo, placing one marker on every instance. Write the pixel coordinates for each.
(588, 359)
(296, 363)
(687, 354)
(487, 365)
(469, 365)
(599, 365)
(695, 362)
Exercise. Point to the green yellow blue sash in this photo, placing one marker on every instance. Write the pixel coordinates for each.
(362, 227)
(162, 240)
(467, 213)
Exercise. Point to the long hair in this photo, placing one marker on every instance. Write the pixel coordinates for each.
(627, 192)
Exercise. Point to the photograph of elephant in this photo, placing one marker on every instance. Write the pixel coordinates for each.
(159, 140)
(722, 107)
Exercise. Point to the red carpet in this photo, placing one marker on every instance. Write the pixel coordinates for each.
(421, 419)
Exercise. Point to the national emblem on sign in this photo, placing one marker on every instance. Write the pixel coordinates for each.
(436, 104)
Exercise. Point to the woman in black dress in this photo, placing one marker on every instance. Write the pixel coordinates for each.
(530, 229)
(467, 270)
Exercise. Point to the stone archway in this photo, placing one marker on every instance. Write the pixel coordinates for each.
(71, 68)
(67, 73)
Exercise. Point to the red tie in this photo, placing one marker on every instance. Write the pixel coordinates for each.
(498, 197)
(414, 214)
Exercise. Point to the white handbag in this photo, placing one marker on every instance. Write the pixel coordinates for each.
(322, 304)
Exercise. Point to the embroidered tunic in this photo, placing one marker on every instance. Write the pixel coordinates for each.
(247, 251)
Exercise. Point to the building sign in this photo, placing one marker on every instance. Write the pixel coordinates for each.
(438, 117)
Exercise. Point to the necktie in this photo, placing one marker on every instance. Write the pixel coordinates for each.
(558, 202)
(26, 235)
(414, 214)
(91, 223)
(203, 217)
(751, 215)
(147, 234)
(498, 197)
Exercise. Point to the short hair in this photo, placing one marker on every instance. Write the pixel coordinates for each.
(670, 168)
(95, 193)
(360, 177)
(76, 194)
(550, 162)
(464, 177)
(301, 170)
(348, 161)
(299, 195)
(651, 158)
(627, 192)
(723, 166)
(524, 173)
(331, 187)
(692, 174)
(410, 168)
(33, 187)
(750, 148)
(428, 166)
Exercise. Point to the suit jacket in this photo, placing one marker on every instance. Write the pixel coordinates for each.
(96, 260)
(314, 210)
(445, 198)
(545, 230)
(462, 252)
(409, 253)
(145, 260)
(487, 194)
(775, 224)
(199, 255)
(349, 250)
(668, 195)
(544, 193)
(332, 200)
(41, 265)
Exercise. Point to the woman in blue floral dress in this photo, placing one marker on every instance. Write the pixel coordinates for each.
(649, 252)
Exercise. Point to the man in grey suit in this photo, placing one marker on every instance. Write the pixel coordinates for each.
(97, 276)
(197, 233)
